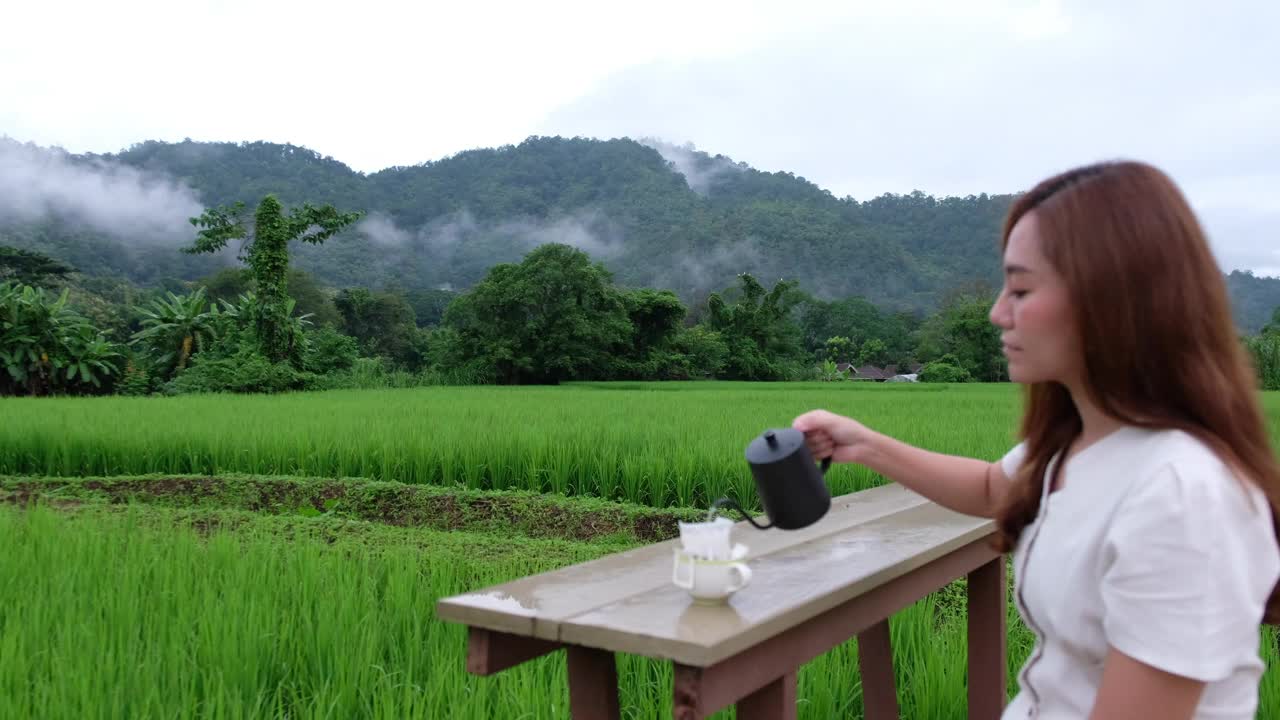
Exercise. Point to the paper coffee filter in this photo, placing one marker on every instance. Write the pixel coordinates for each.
(707, 540)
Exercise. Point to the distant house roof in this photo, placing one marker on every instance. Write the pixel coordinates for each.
(871, 372)
(915, 368)
(843, 367)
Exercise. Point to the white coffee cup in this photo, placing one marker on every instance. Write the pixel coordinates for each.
(709, 581)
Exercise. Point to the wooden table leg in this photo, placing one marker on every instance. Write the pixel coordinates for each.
(593, 684)
(775, 701)
(875, 664)
(987, 644)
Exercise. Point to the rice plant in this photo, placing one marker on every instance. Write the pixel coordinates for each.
(659, 444)
(151, 613)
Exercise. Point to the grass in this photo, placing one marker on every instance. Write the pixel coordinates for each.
(145, 612)
(141, 611)
(175, 579)
(673, 444)
(661, 445)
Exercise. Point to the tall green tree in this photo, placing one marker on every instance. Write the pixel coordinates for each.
(312, 298)
(382, 323)
(1273, 327)
(553, 317)
(1265, 349)
(963, 328)
(651, 352)
(429, 305)
(838, 349)
(764, 342)
(29, 267)
(873, 352)
(858, 321)
(266, 252)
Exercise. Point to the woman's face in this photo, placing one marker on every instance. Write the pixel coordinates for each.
(1034, 313)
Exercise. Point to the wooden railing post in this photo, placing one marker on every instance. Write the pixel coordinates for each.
(987, 642)
(593, 684)
(875, 665)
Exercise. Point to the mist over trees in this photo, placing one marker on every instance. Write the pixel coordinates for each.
(551, 261)
(654, 215)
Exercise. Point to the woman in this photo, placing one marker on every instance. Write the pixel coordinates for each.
(1139, 502)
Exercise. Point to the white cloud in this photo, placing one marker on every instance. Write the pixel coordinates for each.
(985, 97)
(135, 206)
(375, 84)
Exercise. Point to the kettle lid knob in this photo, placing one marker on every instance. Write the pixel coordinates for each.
(773, 445)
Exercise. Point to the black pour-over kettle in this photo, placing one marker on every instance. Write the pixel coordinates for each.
(792, 490)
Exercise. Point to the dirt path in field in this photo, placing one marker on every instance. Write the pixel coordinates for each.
(528, 514)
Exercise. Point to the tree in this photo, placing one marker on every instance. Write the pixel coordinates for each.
(1265, 349)
(174, 329)
(382, 323)
(312, 299)
(29, 268)
(838, 349)
(857, 320)
(656, 317)
(266, 252)
(873, 352)
(963, 328)
(703, 352)
(46, 347)
(945, 369)
(429, 305)
(1273, 327)
(552, 317)
(764, 343)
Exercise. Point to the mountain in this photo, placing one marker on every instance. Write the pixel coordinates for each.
(656, 215)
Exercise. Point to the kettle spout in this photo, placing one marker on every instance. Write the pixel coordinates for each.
(733, 505)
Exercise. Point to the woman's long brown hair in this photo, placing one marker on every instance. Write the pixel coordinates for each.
(1153, 318)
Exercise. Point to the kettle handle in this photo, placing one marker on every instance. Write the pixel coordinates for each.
(826, 464)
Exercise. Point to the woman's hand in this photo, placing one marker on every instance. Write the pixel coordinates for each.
(830, 435)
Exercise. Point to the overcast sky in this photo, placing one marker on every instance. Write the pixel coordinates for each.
(861, 98)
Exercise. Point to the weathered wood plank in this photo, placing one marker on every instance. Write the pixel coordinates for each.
(790, 587)
(702, 690)
(537, 605)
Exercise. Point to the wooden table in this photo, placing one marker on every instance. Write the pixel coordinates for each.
(876, 552)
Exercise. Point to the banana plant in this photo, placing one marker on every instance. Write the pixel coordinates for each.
(175, 328)
(93, 358)
(47, 347)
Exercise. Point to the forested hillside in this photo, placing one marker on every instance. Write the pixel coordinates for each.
(444, 223)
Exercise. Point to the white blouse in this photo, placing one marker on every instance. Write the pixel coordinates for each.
(1154, 547)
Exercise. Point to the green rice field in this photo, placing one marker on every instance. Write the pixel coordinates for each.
(185, 580)
(668, 444)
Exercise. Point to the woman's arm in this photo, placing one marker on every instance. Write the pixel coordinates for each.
(965, 485)
(1133, 689)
